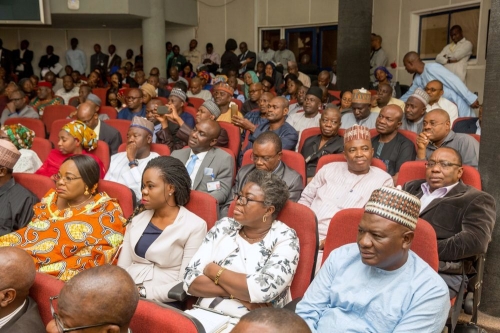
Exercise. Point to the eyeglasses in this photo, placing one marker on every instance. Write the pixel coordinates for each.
(432, 89)
(442, 164)
(66, 180)
(243, 201)
(60, 325)
(16, 99)
(264, 159)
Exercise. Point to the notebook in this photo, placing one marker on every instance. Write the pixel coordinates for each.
(211, 321)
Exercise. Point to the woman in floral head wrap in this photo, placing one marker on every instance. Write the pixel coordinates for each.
(22, 137)
(74, 138)
(205, 79)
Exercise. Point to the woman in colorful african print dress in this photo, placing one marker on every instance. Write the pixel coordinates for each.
(74, 227)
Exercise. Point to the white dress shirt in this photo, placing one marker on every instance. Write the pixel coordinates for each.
(447, 105)
(197, 165)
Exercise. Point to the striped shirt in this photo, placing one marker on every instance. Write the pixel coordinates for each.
(335, 188)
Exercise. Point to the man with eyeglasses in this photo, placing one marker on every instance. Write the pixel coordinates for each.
(462, 216)
(88, 114)
(19, 312)
(436, 100)
(79, 306)
(252, 103)
(437, 133)
(135, 107)
(18, 108)
(266, 155)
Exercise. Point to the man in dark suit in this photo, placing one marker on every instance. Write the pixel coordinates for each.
(211, 169)
(469, 126)
(89, 115)
(17, 275)
(114, 60)
(266, 155)
(22, 59)
(247, 58)
(48, 60)
(98, 59)
(154, 80)
(6, 61)
(462, 216)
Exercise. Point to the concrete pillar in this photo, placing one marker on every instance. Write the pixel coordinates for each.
(489, 160)
(153, 38)
(353, 46)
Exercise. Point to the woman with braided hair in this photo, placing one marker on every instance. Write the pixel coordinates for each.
(162, 236)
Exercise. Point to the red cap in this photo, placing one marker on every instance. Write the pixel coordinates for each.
(45, 84)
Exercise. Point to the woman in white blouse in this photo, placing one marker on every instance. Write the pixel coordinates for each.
(162, 236)
(22, 137)
(249, 261)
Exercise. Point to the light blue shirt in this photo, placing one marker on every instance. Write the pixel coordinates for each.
(77, 60)
(454, 89)
(349, 296)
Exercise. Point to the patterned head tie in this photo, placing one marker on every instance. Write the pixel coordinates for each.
(362, 96)
(143, 123)
(83, 133)
(21, 136)
(8, 154)
(421, 95)
(357, 132)
(395, 205)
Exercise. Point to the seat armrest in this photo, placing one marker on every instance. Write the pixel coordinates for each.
(177, 292)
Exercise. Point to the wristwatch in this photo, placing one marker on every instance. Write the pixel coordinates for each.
(142, 291)
(134, 162)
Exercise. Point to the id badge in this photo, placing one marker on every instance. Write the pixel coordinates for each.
(213, 186)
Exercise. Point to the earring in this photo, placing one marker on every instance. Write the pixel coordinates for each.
(170, 194)
(264, 218)
(86, 191)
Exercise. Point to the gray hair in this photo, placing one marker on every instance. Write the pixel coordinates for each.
(275, 189)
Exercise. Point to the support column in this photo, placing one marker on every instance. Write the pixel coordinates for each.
(353, 46)
(489, 160)
(153, 38)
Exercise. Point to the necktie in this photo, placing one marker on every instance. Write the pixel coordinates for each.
(191, 164)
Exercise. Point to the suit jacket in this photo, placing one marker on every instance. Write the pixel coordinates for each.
(312, 155)
(27, 320)
(131, 82)
(163, 93)
(27, 58)
(251, 65)
(116, 61)
(100, 59)
(291, 177)
(468, 126)
(46, 62)
(6, 63)
(111, 136)
(223, 167)
(157, 271)
(463, 220)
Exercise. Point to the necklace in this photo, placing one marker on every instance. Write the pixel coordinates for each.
(81, 203)
(252, 239)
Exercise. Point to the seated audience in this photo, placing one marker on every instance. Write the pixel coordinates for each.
(112, 99)
(436, 134)
(134, 106)
(20, 312)
(68, 90)
(310, 117)
(415, 109)
(328, 142)
(82, 300)
(360, 115)
(384, 98)
(18, 108)
(268, 84)
(196, 90)
(83, 92)
(159, 225)
(253, 118)
(293, 68)
(324, 80)
(206, 80)
(210, 169)
(469, 126)
(57, 83)
(223, 93)
(293, 86)
(228, 266)
(140, 78)
(382, 75)
(175, 77)
(266, 155)
(249, 78)
(271, 320)
(116, 81)
(252, 103)
(74, 138)
(390, 146)
(127, 167)
(277, 76)
(299, 105)
(148, 92)
(74, 227)
(462, 216)
(27, 87)
(22, 137)
(45, 97)
(276, 122)
(16, 201)
(436, 100)
(154, 80)
(345, 102)
(341, 185)
(378, 284)
(88, 114)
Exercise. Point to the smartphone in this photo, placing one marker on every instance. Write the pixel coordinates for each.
(163, 110)
(234, 109)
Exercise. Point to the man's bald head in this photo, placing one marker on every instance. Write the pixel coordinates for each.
(17, 275)
(323, 79)
(441, 114)
(275, 320)
(103, 294)
(411, 56)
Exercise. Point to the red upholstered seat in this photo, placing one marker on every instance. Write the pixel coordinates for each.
(56, 127)
(121, 193)
(413, 170)
(459, 119)
(205, 206)
(304, 222)
(335, 93)
(102, 153)
(101, 93)
(197, 102)
(412, 136)
(341, 158)
(189, 109)
(292, 159)
(238, 102)
(37, 184)
(159, 148)
(233, 132)
(109, 110)
(343, 230)
(121, 125)
(476, 136)
(41, 147)
(36, 125)
(54, 112)
(307, 133)
(45, 286)
(164, 100)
